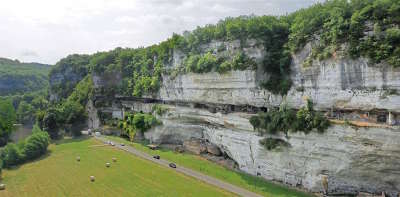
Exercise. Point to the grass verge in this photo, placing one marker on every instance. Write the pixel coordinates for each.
(200, 164)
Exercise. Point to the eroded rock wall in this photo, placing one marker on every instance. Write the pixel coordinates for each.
(352, 159)
(334, 83)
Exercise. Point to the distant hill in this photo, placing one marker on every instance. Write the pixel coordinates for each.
(17, 77)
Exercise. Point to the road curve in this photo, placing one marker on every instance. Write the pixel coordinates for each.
(210, 180)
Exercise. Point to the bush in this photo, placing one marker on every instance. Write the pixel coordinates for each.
(138, 122)
(346, 22)
(12, 155)
(36, 145)
(224, 67)
(159, 109)
(273, 143)
(308, 119)
(242, 62)
(288, 120)
(31, 148)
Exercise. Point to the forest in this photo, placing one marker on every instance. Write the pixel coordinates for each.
(17, 77)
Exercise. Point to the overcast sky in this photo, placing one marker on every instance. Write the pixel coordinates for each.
(47, 30)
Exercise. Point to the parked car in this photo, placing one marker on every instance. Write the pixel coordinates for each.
(122, 144)
(156, 156)
(112, 144)
(172, 165)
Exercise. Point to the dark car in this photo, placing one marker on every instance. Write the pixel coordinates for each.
(122, 144)
(172, 165)
(156, 156)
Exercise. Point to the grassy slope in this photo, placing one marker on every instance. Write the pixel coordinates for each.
(207, 167)
(59, 174)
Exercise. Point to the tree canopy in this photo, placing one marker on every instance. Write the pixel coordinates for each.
(7, 120)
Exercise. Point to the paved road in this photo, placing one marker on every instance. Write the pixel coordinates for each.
(210, 180)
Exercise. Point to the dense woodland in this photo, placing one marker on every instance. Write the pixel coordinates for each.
(17, 77)
(336, 28)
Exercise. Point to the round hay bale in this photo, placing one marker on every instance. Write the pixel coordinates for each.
(114, 159)
(107, 165)
(92, 178)
(78, 158)
(2, 186)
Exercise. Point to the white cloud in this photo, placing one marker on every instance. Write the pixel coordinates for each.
(52, 29)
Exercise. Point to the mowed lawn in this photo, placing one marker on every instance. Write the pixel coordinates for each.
(59, 174)
(200, 164)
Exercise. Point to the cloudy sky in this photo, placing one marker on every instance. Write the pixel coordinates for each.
(47, 30)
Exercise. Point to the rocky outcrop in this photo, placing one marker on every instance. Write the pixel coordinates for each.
(65, 79)
(349, 159)
(213, 149)
(195, 146)
(334, 83)
(201, 146)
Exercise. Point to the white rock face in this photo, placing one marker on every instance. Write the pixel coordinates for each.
(235, 87)
(353, 159)
(334, 83)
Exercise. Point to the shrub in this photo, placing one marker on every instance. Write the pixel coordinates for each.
(288, 120)
(36, 145)
(273, 143)
(159, 109)
(255, 122)
(242, 62)
(206, 63)
(308, 119)
(137, 122)
(12, 155)
(224, 67)
(31, 148)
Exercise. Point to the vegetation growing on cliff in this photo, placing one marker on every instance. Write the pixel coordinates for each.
(76, 66)
(69, 111)
(367, 28)
(357, 28)
(287, 120)
(137, 122)
(159, 109)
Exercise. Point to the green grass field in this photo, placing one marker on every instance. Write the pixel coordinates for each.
(200, 164)
(59, 174)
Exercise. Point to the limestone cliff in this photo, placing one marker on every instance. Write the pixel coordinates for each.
(349, 159)
(339, 83)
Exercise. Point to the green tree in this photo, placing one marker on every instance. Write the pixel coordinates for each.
(7, 120)
(36, 144)
(25, 112)
(12, 155)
